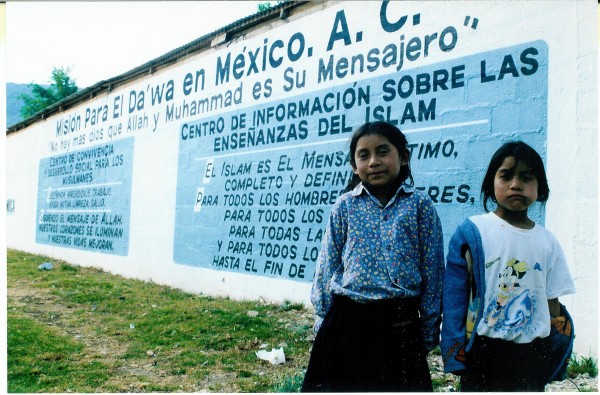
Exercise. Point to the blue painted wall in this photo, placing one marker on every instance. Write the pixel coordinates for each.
(254, 187)
(84, 198)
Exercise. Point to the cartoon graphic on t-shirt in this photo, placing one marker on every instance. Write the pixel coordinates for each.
(513, 306)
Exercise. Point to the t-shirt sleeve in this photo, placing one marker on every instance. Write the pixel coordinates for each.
(558, 278)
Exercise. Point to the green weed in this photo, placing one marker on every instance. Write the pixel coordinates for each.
(290, 384)
(436, 351)
(581, 365)
(287, 306)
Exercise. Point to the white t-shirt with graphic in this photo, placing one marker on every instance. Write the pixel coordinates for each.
(523, 269)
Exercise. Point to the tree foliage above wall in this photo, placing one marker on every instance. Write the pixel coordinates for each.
(43, 96)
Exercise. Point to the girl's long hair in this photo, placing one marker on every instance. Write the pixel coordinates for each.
(394, 135)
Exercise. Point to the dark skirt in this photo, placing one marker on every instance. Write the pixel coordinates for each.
(369, 347)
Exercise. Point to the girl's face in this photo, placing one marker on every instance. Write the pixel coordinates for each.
(515, 187)
(377, 161)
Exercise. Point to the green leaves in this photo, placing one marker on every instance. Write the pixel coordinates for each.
(41, 97)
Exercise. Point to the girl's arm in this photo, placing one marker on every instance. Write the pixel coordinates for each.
(329, 261)
(554, 307)
(432, 273)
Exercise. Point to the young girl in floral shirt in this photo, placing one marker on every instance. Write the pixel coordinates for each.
(378, 285)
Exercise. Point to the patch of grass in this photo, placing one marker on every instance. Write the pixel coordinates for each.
(287, 306)
(290, 383)
(436, 351)
(69, 268)
(438, 384)
(40, 359)
(581, 365)
(179, 342)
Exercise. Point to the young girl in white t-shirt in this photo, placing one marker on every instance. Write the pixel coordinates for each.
(504, 274)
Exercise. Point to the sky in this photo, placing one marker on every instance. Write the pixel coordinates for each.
(101, 40)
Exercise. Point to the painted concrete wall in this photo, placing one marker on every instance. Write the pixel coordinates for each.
(217, 174)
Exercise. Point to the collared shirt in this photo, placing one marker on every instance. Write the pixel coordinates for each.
(372, 252)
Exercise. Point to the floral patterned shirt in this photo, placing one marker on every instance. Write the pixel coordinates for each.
(372, 252)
